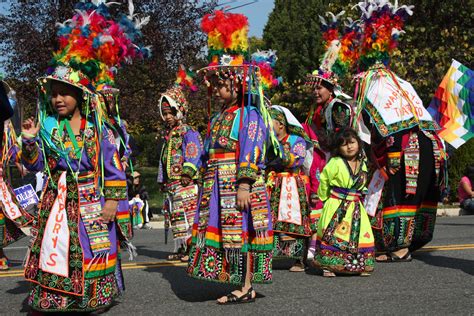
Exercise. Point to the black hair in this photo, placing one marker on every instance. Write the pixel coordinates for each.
(469, 172)
(326, 84)
(343, 136)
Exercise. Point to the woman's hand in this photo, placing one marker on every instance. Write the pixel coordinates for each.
(109, 211)
(243, 196)
(29, 129)
(392, 171)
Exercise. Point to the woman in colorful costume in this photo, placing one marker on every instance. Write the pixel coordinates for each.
(331, 111)
(406, 152)
(12, 215)
(179, 164)
(232, 234)
(73, 262)
(288, 187)
(345, 242)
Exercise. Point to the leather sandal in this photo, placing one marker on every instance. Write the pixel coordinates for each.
(234, 299)
(174, 257)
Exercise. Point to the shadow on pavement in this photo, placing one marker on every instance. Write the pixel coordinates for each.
(466, 266)
(21, 288)
(191, 290)
(155, 254)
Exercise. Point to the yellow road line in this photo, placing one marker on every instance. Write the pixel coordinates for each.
(156, 264)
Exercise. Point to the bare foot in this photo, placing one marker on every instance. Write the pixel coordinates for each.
(328, 274)
(382, 258)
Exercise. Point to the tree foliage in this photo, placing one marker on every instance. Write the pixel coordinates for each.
(28, 34)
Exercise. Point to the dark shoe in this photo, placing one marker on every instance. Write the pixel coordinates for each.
(233, 299)
(406, 258)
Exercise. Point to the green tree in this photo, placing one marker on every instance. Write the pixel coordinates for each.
(293, 30)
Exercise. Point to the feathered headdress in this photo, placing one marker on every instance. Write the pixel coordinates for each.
(382, 24)
(265, 60)
(340, 52)
(175, 96)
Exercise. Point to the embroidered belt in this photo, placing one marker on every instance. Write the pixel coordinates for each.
(218, 154)
(346, 194)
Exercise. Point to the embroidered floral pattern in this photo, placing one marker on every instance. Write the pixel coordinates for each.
(191, 150)
(252, 130)
(300, 150)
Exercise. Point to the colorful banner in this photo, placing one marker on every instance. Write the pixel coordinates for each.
(453, 105)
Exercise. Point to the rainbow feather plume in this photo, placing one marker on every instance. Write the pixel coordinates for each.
(265, 61)
(92, 42)
(227, 37)
(185, 79)
(382, 26)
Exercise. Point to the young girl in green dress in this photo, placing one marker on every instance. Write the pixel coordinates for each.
(345, 243)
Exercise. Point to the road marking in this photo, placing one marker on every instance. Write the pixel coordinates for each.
(157, 264)
(10, 248)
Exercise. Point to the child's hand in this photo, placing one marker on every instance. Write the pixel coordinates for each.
(243, 196)
(29, 129)
(185, 181)
(124, 165)
(109, 211)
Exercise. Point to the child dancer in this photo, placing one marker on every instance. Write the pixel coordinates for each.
(345, 243)
(180, 162)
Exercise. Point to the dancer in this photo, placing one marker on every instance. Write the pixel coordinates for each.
(288, 187)
(180, 162)
(232, 233)
(73, 262)
(12, 215)
(406, 151)
(331, 111)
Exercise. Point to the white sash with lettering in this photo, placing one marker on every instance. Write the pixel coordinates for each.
(289, 210)
(54, 255)
(10, 208)
(374, 193)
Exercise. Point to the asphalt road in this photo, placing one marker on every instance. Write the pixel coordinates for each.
(439, 281)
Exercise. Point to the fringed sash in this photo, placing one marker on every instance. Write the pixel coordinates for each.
(91, 214)
(184, 202)
(222, 164)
